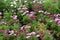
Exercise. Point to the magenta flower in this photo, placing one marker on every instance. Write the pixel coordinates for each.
(17, 34)
(32, 16)
(4, 31)
(37, 6)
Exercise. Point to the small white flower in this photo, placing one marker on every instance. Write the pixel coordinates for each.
(12, 5)
(46, 12)
(25, 1)
(15, 34)
(0, 13)
(29, 34)
(27, 26)
(14, 2)
(40, 11)
(25, 12)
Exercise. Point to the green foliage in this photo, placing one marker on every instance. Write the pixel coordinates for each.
(48, 37)
(33, 37)
(26, 19)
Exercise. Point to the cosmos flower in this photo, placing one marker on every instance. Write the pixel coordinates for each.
(11, 32)
(27, 26)
(14, 17)
(58, 23)
(25, 32)
(33, 33)
(38, 35)
(32, 16)
(17, 34)
(57, 19)
(4, 31)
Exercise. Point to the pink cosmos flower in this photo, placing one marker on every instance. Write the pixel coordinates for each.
(14, 16)
(22, 27)
(38, 35)
(56, 15)
(33, 33)
(32, 12)
(32, 16)
(4, 31)
(25, 32)
(57, 19)
(11, 32)
(17, 34)
(58, 23)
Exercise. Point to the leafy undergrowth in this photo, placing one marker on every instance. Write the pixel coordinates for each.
(30, 20)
